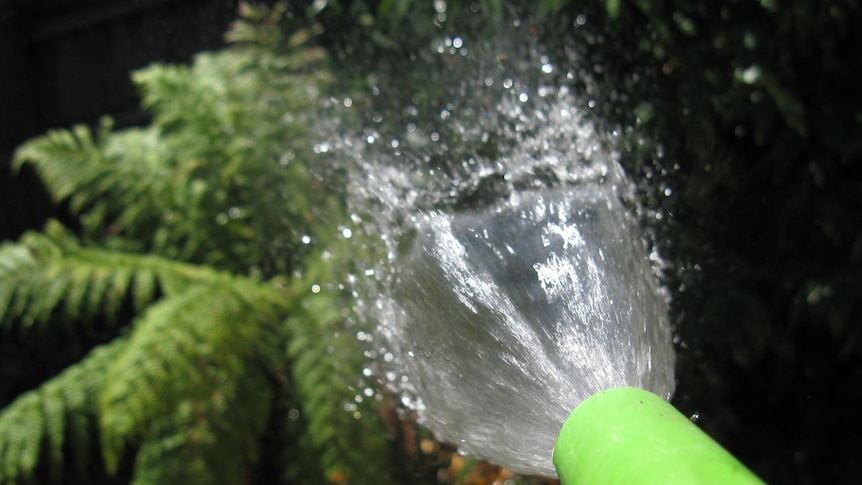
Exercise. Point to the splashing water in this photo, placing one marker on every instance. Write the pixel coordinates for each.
(513, 279)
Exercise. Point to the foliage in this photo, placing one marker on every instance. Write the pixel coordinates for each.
(55, 425)
(318, 328)
(155, 189)
(219, 365)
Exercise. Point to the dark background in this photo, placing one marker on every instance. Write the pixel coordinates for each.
(64, 62)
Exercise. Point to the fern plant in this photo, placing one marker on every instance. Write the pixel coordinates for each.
(225, 362)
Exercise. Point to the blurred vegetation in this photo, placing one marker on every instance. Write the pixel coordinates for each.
(185, 330)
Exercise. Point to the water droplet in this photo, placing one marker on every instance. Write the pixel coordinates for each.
(530, 137)
(315, 288)
(750, 75)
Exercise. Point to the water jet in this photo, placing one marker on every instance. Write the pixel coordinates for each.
(514, 280)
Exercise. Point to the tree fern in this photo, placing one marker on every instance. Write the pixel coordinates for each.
(191, 249)
(193, 369)
(217, 171)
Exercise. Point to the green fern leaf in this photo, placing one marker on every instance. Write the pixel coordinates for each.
(327, 362)
(192, 353)
(39, 426)
(53, 409)
(210, 441)
(43, 275)
(114, 181)
(74, 158)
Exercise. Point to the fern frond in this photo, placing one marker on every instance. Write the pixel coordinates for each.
(207, 441)
(78, 159)
(54, 426)
(50, 274)
(207, 181)
(108, 178)
(228, 120)
(327, 367)
(182, 386)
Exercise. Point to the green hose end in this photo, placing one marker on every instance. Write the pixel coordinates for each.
(629, 435)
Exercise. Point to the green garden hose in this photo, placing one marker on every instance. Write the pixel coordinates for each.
(632, 436)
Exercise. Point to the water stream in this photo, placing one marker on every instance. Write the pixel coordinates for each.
(508, 278)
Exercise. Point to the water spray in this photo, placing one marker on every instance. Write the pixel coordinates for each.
(516, 283)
